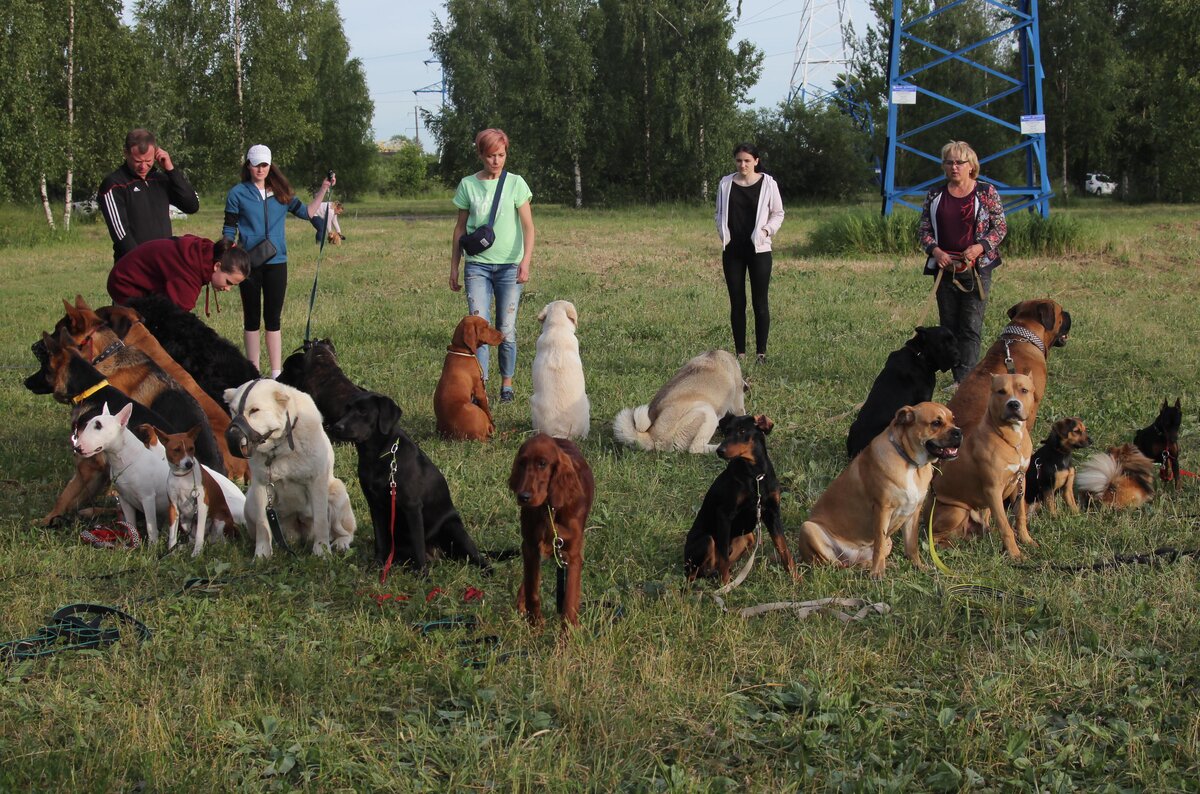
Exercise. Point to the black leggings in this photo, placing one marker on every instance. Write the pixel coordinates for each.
(271, 281)
(736, 261)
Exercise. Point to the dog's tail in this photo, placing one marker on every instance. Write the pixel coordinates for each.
(1097, 475)
(632, 425)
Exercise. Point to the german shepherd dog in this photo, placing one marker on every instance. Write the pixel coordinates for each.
(1160, 441)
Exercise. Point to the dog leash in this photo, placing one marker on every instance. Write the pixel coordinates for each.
(70, 630)
(387, 566)
(312, 296)
(742, 574)
(970, 592)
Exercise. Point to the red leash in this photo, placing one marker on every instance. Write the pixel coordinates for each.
(387, 566)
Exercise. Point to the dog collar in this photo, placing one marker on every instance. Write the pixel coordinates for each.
(78, 398)
(903, 454)
(1026, 335)
(456, 353)
(108, 351)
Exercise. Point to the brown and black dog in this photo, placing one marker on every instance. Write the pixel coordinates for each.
(1034, 327)
(989, 471)
(460, 401)
(1160, 441)
(743, 495)
(1122, 477)
(555, 488)
(881, 492)
(1052, 468)
(135, 370)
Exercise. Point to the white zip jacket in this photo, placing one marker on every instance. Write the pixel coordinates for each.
(767, 220)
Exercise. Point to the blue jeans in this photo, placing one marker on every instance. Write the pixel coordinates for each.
(484, 281)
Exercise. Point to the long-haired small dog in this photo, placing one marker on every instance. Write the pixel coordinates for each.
(1052, 467)
(1160, 441)
(1122, 477)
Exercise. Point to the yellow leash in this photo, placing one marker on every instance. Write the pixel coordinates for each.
(971, 592)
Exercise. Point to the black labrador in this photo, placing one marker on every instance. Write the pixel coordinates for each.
(314, 370)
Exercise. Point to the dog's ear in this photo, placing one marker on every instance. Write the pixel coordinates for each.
(104, 409)
(228, 396)
(158, 431)
(124, 414)
(723, 424)
(573, 314)
(514, 477)
(565, 487)
(542, 313)
(1012, 310)
(65, 340)
(469, 338)
(195, 431)
(1027, 371)
(1046, 315)
(387, 413)
(150, 432)
(81, 304)
(763, 423)
(904, 416)
(50, 342)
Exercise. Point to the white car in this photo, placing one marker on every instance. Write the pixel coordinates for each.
(1100, 184)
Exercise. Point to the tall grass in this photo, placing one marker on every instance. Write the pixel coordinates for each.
(862, 233)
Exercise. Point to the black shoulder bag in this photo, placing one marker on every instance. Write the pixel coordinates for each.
(482, 238)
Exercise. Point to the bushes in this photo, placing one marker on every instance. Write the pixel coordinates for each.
(869, 233)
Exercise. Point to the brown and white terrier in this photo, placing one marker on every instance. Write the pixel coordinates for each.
(201, 499)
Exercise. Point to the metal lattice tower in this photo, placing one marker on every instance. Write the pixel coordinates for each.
(822, 52)
(904, 83)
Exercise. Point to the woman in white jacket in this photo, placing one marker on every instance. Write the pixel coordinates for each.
(749, 214)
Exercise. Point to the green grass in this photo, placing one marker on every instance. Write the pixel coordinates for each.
(292, 678)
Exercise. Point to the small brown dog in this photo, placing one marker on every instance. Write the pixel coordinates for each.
(460, 401)
(198, 500)
(1052, 469)
(554, 487)
(989, 470)
(881, 492)
(1122, 477)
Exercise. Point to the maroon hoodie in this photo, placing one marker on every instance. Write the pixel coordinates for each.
(177, 267)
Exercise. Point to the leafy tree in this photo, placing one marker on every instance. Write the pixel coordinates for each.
(816, 152)
(405, 170)
(29, 126)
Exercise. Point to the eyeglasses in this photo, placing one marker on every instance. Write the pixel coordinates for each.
(955, 162)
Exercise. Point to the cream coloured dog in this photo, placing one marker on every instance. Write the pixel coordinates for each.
(278, 429)
(559, 403)
(685, 412)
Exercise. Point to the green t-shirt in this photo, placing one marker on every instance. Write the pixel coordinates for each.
(475, 195)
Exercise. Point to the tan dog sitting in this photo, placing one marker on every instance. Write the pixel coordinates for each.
(460, 401)
(881, 492)
(990, 469)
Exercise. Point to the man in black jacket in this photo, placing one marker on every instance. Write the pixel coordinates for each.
(135, 199)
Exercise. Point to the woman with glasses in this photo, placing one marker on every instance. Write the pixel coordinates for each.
(749, 214)
(962, 226)
(255, 210)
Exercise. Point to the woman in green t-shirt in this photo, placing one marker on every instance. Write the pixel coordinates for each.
(500, 270)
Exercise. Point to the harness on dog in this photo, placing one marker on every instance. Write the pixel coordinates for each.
(88, 392)
(1021, 334)
(387, 566)
(742, 574)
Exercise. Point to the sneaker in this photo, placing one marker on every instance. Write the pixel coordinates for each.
(506, 394)
(760, 358)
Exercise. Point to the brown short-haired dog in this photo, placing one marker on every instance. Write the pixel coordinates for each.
(460, 401)
(989, 470)
(554, 487)
(881, 492)
(1052, 468)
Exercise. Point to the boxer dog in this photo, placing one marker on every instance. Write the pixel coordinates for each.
(881, 492)
(1034, 327)
(990, 470)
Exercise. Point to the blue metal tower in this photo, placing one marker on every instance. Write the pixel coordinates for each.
(1028, 132)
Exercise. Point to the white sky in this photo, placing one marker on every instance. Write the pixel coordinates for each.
(392, 39)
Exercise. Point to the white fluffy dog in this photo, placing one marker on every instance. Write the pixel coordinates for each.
(685, 412)
(278, 429)
(559, 403)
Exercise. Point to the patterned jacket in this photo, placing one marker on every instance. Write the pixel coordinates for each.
(990, 226)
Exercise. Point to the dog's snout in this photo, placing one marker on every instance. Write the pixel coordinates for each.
(1014, 405)
(955, 437)
(523, 497)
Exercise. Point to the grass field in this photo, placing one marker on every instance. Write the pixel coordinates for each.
(290, 677)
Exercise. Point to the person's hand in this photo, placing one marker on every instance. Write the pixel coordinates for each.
(972, 253)
(522, 272)
(942, 259)
(454, 285)
(328, 183)
(163, 159)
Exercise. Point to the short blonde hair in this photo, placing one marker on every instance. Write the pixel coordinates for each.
(961, 150)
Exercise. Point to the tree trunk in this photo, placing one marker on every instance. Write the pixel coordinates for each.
(1066, 185)
(46, 204)
(646, 114)
(578, 181)
(70, 112)
(704, 177)
(237, 70)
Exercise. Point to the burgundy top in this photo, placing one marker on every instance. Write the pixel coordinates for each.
(177, 267)
(956, 222)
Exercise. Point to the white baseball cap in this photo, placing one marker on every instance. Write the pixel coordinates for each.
(258, 155)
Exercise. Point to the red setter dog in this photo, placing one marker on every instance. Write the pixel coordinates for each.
(460, 401)
(554, 487)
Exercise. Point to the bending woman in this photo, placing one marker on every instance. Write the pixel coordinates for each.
(178, 267)
(502, 268)
(749, 213)
(252, 218)
(962, 226)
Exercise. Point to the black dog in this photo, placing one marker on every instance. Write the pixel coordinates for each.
(746, 493)
(211, 359)
(907, 378)
(1052, 469)
(1160, 441)
(425, 516)
(314, 369)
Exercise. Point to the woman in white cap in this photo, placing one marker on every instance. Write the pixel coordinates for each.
(255, 220)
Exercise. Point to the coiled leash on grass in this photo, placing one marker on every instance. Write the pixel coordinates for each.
(69, 631)
(972, 593)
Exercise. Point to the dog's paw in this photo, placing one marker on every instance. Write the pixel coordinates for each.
(343, 544)
(262, 551)
(320, 549)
